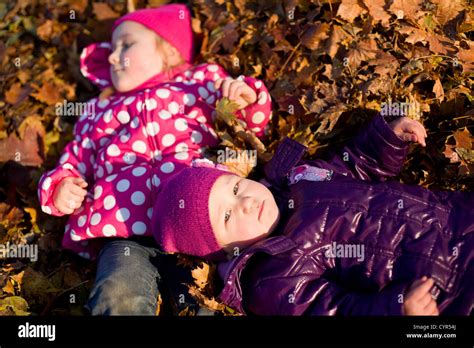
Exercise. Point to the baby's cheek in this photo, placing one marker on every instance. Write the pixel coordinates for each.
(251, 231)
(150, 64)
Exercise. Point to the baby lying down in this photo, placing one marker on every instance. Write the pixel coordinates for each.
(331, 237)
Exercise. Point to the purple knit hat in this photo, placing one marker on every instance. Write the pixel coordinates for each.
(171, 22)
(180, 221)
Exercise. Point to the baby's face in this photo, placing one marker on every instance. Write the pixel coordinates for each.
(135, 57)
(242, 211)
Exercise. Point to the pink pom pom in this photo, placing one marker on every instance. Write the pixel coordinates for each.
(204, 162)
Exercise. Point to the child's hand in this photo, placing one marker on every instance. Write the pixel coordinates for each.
(409, 130)
(418, 299)
(69, 194)
(237, 91)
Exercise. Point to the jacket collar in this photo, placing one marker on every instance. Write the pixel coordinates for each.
(286, 156)
(231, 294)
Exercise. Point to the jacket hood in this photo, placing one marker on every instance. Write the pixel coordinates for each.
(95, 67)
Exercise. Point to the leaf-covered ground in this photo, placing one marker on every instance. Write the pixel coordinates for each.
(330, 65)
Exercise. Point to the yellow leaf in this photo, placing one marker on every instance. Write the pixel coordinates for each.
(33, 121)
(201, 275)
(13, 305)
(50, 139)
(9, 288)
(243, 165)
(18, 279)
(210, 303)
(225, 110)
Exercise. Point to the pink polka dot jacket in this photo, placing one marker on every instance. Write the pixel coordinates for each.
(132, 142)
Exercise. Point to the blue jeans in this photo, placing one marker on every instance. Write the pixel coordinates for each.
(127, 280)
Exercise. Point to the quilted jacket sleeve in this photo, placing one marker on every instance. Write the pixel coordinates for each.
(375, 154)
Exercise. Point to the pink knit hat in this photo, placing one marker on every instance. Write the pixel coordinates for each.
(180, 221)
(171, 22)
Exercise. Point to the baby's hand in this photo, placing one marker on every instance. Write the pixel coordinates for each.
(409, 130)
(69, 194)
(237, 91)
(418, 299)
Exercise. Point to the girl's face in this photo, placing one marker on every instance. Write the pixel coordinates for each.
(135, 57)
(242, 212)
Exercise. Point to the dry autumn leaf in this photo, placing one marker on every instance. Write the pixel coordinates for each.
(225, 110)
(462, 150)
(438, 90)
(464, 139)
(364, 51)
(336, 39)
(447, 10)
(103, 11)
(13, 305)
(78, 5)
(385, 63)
(350, 10)
(210, 303)
(376, 10)
(201, 275)
(16, 94)
(466, 57)
(410, 9)
(241, 165)
(29, 150)
(315, 34)
(47, 93)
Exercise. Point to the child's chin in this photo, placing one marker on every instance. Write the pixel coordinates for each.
(122, 88)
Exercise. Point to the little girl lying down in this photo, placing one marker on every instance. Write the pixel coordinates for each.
(329, 237)
(158, 119)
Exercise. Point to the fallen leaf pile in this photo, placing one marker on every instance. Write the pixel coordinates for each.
(330, 66)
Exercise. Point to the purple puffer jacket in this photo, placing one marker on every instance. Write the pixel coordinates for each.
(407, 232)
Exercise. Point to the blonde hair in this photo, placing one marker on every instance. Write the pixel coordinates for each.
(163, 46)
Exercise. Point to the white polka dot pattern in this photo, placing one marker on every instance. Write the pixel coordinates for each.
(129, 146)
